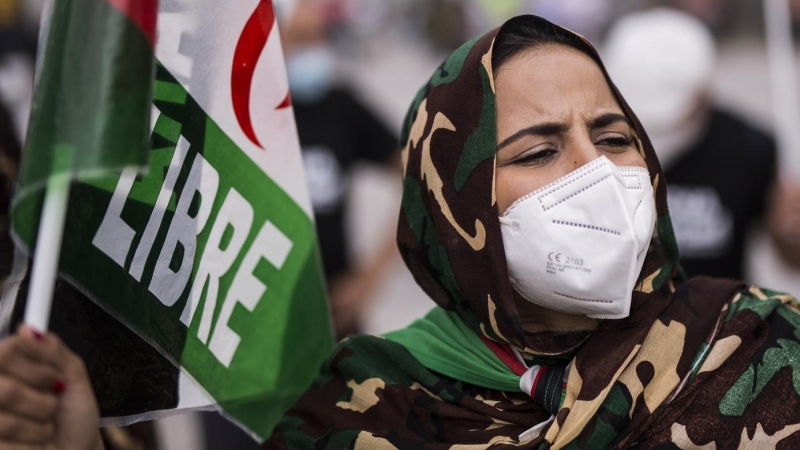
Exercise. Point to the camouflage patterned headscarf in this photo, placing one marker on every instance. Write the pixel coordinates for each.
(699, 363)
(449, 231)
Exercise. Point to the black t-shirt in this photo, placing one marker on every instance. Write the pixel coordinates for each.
(337, 132)
(716, 190)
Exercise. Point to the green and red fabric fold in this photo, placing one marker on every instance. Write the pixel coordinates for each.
(92, 98)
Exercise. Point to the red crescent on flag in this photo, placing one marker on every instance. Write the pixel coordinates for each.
(287, 102)
(142, 12)
(248, 50)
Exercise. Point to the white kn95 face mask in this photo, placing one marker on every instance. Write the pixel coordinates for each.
(578, 244)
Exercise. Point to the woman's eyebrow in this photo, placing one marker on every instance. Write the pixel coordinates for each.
(542, 129)
(607, 119)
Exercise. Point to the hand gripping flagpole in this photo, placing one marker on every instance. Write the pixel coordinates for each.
(48, 251)
(783, 77)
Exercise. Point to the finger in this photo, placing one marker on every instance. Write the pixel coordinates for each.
(34, 345)
(48, 348)
(19, 430)
(17, 397)
(17, 363)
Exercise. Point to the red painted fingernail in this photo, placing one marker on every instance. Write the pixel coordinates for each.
(37, 335)
(58, 387)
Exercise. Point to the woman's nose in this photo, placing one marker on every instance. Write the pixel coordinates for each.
(584, 152)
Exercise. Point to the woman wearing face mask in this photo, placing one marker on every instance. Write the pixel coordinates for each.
(534, 213)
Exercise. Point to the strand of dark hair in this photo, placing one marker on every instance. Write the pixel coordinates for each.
(526, 32)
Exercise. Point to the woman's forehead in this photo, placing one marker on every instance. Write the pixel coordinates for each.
(553, 81)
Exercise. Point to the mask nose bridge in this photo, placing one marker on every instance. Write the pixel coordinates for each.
(589, 175)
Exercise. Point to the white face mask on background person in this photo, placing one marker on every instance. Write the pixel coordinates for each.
(672, 141)
(663, 61)
(312, 72)
(577, 245)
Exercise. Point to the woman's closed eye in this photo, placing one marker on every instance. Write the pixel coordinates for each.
(614, 142)
(536, 157)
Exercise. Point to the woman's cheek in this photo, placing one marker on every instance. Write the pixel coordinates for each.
(506, 189)
(512, 183)
(630, 158)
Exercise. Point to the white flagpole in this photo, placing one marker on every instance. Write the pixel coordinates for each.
(783, 77)
(47, 253)
(51, 225)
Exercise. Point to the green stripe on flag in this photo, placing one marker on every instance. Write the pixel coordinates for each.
(92, 96)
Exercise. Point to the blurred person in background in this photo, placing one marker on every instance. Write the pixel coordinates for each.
(446, 24)
(9, 160)
(714, 13)
(18, 28)
(336, 132)
(720, 170)
(589, 19)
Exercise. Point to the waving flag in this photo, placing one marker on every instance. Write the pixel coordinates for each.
(211, 256)
(92, 97)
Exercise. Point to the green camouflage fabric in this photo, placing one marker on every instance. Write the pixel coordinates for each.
(701, 363)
